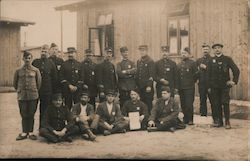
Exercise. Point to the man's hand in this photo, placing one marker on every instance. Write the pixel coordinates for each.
(72, 88)
(124, 71)
(151, 123)
(203, 66)
(126, 118)
(176, 91)
(141, 118)
(62, 132)
(209, 90)
(148, 89)
(164, 81)
(56, 132)
(83, 118)
(230, 83)
(108, 125)
(102, 94)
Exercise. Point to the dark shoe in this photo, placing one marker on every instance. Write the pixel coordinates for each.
(68, 139)
(151, 129)
(124, 131)
(106, 132)
(32, 137)
(85, 136)
(20, 137)
(172, 129)
(228, 126)
(190, 123)
(92, 137)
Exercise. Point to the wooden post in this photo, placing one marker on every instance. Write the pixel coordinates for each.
(61, 33)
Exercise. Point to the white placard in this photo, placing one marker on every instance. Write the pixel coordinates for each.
(134, 120)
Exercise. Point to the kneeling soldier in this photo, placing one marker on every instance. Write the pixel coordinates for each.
(84, 116)
(54, 127)
(111, 119)
(164, 115)
(136, 105)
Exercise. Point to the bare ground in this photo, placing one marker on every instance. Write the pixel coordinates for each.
(198, 142)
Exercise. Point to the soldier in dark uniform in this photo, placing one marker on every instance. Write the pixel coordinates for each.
(164, 115)
(126, 76)
(202, 64)
(106, 75)
(165, 72)
(71, 78)
(220, 84)
(49, 78)
(88, 68)
(145, 76)
(57, 123)
(187, 76)
(58, 63)
(135, 105)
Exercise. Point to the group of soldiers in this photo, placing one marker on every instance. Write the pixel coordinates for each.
(68, 91)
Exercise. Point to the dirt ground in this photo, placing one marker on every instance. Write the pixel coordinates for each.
(198, 142)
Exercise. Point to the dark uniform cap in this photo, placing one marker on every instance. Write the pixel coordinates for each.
(143, 47)
(217, 44)
(56, 96)
(110, 92)
(85, 91)
(205, 45)
(187, 49)
(165, 88)
(71, 49)
(123, 49)
(109, 49)
(53, 45)
(88, 51)
(165, 48)
(26, 54)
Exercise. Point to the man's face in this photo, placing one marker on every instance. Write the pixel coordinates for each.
(110, 98)
(184, 54)
(165, 95)
(71, 55)
(134, 96)
(27, 59)
(125, 55)
(58, 102)
(206, 50)
(217, 50)
(165, 54)
(54, 51)
(108, 55)
(143, 52)
(44, 53)
(84, 99)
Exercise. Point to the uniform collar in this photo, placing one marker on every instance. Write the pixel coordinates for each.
(218, 56)
(27, 66)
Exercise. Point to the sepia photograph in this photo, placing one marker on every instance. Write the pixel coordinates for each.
(125, 79)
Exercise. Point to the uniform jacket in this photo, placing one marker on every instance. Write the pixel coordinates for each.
(162, 112)
(55, 118)
(137, 106)
(145, 71)
(58, 64)
(71, 74)
(48, 73)
(218, 71)
(106, 76)
(88, 69)
(27, 82)
(102, 111)
(126, 81)
(76, 110)
(166, 69)
(203, 73)
(186, 74)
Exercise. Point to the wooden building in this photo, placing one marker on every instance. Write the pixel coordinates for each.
(177, 23)
(10, 48)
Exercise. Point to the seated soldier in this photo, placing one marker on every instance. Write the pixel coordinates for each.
(164, 115)
(53, 126)
(136, 105)
(111, 120)
(84, 117)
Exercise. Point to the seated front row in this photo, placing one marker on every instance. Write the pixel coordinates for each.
(60, 124)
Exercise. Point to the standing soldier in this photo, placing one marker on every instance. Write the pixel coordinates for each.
(49, 78)
(58, 63)
(126, 76)
(202, 64)
(186, 73)
(70, 77)
(88, 69)
(145, 76)
(27, 81)
(220, 84)
(106, 75)
(165, 72)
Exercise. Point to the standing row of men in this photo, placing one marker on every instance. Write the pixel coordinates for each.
(71, 77)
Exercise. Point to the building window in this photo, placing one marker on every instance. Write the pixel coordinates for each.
(178, 33)
(102, 36)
